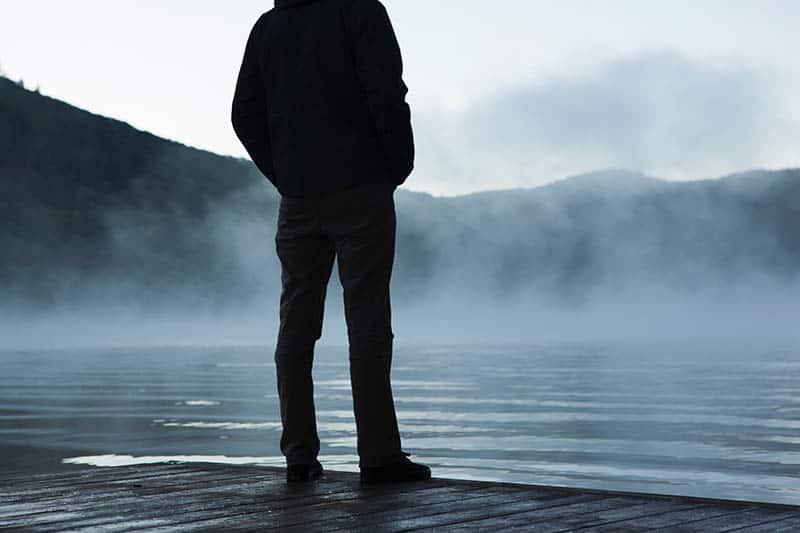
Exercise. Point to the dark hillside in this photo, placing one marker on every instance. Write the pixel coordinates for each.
(96, 211)
(66, 173)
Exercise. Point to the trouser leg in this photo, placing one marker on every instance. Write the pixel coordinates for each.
(365, 246)
(306, 258)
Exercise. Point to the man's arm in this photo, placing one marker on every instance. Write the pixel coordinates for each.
(249, 111)
(380, 68)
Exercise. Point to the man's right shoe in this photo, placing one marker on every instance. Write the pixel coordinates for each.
(301, 473)
(402, 470)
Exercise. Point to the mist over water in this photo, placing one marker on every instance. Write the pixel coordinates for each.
(611, 255)
(654, 315)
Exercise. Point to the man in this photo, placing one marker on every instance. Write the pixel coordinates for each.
(320, 107)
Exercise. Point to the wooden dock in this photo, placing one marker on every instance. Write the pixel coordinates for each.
(213, 497)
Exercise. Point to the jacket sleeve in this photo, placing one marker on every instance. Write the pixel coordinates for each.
(380, 69)
(249, 114)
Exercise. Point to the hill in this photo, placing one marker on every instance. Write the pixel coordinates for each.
(90, 199)
(96, 211)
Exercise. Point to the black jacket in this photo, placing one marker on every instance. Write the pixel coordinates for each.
(320, 100)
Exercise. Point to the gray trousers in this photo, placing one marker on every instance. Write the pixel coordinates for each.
(357, 227)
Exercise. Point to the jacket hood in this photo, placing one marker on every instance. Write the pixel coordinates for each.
(283, 4)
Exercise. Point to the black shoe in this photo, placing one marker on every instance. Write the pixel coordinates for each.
(299, 473)
(402, 470)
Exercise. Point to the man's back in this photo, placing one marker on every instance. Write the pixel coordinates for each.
(320, 100)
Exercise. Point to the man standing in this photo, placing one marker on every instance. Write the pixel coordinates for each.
(320, 107)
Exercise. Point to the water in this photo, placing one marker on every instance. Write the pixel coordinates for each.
(701, 420)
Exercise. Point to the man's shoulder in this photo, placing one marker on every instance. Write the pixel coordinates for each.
(266, 16)
(367, 4)
(364, 9)
(263, 21)
(359, 9)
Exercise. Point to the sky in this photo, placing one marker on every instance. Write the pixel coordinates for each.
(504, 94)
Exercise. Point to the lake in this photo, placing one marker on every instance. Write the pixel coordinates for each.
(700, 419)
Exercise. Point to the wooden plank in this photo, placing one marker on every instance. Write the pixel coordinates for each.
(110, 475)
(755, 516)
(222, 501)
(213, 497)
(44, 489)
(700, 500)
(438, 515)
(16, 478)
(790, 524)
(112, 487)
(267, 517)
(262, 513)
(672, 519)
(499, 513)
(319, 515)
(261, 516)
(370, 491)
(88, 480)
(159, 503)
(119, 493)
(528, 519)
(88, 476)
(309, 514)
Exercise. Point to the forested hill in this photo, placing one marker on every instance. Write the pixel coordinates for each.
(66, 178)
(94, 210)
(68, 158)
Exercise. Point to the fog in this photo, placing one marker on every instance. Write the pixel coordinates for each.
(606, 256)
(660, 112)
(113, 236)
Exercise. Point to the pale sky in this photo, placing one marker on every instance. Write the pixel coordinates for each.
(504, 93)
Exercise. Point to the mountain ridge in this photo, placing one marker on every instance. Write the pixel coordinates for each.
(96, 209)
(591, 176)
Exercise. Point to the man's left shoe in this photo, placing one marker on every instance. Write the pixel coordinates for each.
(401, 470)
(300, 473)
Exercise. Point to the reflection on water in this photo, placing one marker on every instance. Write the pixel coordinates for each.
(696, 420)
(199, 403)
